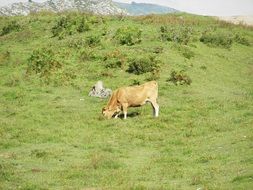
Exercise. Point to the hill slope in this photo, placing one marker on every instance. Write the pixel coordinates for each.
(144, 8)
(53, 135)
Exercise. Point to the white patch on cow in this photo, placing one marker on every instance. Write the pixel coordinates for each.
(156, 111)
(125, 115)
(155, 107)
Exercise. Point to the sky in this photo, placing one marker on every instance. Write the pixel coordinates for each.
(201, 7)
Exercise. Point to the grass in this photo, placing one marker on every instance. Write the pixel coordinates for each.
(53, 136)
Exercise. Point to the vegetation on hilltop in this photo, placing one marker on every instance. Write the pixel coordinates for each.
(145, 8)
(53, 136)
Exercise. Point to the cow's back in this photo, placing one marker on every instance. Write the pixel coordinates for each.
(138, 95)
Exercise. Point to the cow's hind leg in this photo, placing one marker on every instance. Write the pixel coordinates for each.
(155, 108)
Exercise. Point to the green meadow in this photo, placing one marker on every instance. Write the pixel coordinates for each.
(53, 135)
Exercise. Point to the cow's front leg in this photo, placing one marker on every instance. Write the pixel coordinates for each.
(125, 115)
(118, 111)
(124, 107)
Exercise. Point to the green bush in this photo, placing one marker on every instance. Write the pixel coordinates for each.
(88, 54)
(42, 62)
(154, 75)
(217, 39)
(143, 64)
(10, 27)
(93, 40)
(179, 77)
(67, 25)
(83, 25)
(77, 43)
(135, 82)
(61, 26)
(181, 35)
(115, 59)
(104, 30)
(240, 39)
(93, 19)
(128, 35)
(114, 63)
(186, 51)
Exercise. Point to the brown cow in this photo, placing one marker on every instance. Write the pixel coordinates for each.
(132, 96)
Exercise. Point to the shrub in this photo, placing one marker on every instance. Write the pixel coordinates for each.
(217, 39)
(76, 43)
(115, 59)
(179, 77)
(241, 40)
(135, 82)
(181, 35)
(83, 25)
(88, 54)
(164, 33)
(128, 35)
(154, 75)
(114, 63)
(143, 64)
(186, 51)
(104, 30)
(10, 27)
(66, 25)
(93, 19)
(42, 62)
(61, 26)
(93, 40)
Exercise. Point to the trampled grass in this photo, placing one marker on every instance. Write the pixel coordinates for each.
(53, 136)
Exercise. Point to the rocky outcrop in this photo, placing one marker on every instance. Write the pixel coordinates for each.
(103, 7)
(98, 90)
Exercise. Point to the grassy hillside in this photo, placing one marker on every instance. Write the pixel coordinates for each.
(53, 136)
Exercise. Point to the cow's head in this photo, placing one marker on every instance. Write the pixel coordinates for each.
(109, 112)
